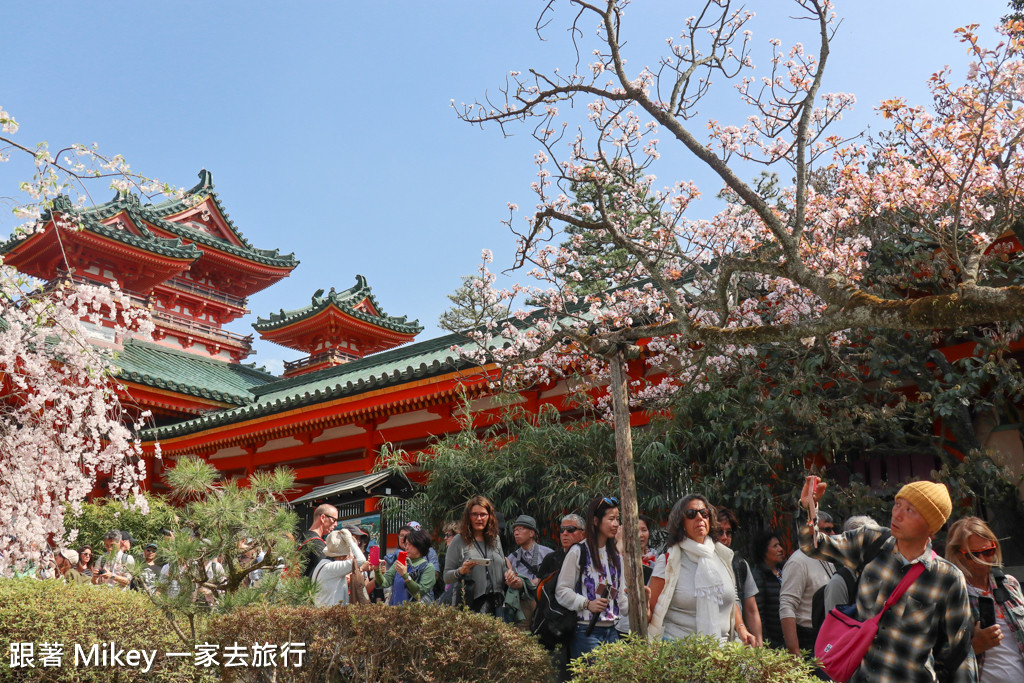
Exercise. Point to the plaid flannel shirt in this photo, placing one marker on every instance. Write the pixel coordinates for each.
(932, 618)
(1013, 611)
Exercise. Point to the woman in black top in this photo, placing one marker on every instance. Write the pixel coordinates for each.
(767, 573)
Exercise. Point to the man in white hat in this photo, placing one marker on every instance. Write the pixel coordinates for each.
(331, 573)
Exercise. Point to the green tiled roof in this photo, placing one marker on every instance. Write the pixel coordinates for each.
(407, 363)
(156, 214)
(187, 373)
(147, 241)
(403, 364)
(344, 300)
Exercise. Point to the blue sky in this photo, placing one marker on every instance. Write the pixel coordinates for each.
(327, 125)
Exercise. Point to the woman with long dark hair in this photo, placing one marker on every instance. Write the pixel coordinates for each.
(590, 582)
(475, 557)
(84, 565)
(693, 589)
(769, 556)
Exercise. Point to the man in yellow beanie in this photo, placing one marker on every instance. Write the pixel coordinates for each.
(926, 635)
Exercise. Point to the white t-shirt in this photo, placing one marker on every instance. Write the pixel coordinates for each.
(749, 586)
(1003, 663)
(801, 578)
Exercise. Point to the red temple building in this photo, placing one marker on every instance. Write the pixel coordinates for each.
(190, 266)
(364, 383)
(336, 328)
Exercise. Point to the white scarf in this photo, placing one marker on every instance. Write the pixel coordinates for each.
(709, 586)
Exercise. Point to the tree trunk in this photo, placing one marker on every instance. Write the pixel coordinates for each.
(628, 509)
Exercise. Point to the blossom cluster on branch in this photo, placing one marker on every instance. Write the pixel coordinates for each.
(62, 423)
(773, 266)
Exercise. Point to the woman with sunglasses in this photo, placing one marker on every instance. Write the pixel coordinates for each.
(590, 581)
(84, 565)
(999, 647)
(476, 558)
(693, 589)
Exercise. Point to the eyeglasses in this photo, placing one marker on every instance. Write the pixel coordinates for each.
(692, 514)
(988, 553)
(569, 529)
(333, 519)
(479, 515)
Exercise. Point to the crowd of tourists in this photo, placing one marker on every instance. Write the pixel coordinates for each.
(953, 618)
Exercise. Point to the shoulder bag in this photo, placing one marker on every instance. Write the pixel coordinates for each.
(843, 641)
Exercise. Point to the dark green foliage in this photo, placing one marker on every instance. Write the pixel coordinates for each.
(54, 612)
(386, 644)
(1016, 11)
(104, 514)
(531, 464)
(745, 433)
(219, 520)
(470, 306)
(697, 659)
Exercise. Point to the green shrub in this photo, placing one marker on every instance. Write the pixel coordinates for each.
(697, 659)
(104, 514)
(386, 644)
(36, 612)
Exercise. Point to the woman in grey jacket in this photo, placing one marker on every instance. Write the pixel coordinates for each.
(475, 556)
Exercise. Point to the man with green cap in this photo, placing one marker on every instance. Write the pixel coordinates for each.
(926, 635)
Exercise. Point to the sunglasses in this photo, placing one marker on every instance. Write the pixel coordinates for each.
(449, 534)
(692, 514)
(569, 529)
(611, 501)
(987, 553)
(724, 533)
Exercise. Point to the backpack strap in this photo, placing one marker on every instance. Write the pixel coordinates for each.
(850, 579)
(1001, 594)
(584, 560)
(532, 568)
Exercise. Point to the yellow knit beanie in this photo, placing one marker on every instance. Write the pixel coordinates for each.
(931, 501)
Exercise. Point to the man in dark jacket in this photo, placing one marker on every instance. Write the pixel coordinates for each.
(325, 517)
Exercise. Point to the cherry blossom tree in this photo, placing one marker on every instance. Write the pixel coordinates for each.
(62, 424)
(771, 267)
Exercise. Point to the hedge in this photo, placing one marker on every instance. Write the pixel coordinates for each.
(385, 644)
(696, 659)
(40, 612)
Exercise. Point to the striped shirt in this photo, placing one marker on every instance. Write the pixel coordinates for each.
(930, 621)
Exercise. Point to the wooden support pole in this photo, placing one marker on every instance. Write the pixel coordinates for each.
(628, 508)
